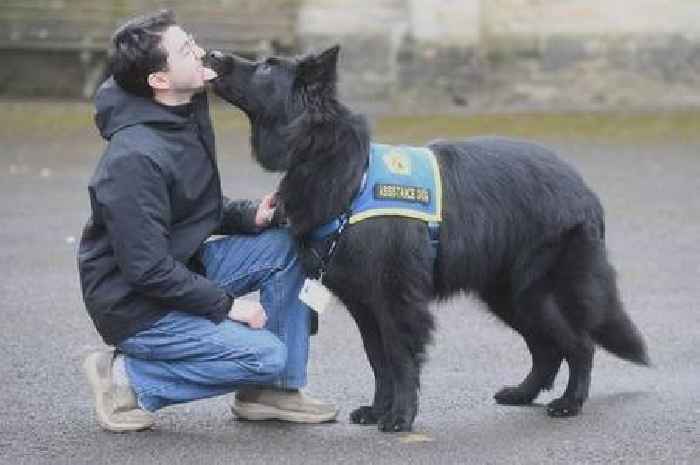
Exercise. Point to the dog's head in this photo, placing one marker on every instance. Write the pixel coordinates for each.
(274, 93)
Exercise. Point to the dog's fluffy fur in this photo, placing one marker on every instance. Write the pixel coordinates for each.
(521, 230)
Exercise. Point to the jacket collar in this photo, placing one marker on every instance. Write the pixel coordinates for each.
(117, 109)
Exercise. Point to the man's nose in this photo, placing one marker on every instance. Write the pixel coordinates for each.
(199, 51)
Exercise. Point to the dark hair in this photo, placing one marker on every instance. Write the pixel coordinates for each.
(137, 51)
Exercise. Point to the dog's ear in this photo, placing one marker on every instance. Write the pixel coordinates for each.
(319, 68)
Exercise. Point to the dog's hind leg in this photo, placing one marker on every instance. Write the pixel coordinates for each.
(535, 317)
(550, 338)
(546, 360)
(548, 319)
(384, 388)
(584, 289)
(580, 361)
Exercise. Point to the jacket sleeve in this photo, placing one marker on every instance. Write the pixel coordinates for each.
(239, 217)
(135, 205)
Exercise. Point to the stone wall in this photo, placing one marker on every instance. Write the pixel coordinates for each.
(592, 53)
(443, 55)
(395, 52)
(401, 55)
(58, 47)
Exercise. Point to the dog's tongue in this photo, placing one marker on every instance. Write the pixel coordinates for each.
(208, 74)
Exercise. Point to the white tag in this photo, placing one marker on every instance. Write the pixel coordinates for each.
(315, 295)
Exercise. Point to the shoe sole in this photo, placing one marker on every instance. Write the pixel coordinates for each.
(100, 390)
(257, 412)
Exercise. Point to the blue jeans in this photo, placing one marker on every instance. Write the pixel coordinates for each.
(184, 357)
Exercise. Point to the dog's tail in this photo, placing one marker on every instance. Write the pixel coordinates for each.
(586, 269)
(618, 335)
(614, 331)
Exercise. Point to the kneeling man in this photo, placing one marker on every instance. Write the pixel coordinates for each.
(155, 290)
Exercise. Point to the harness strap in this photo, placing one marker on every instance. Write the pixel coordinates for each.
(434, 234)
(324, 259)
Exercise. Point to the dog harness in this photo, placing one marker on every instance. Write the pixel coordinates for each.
(398, 181)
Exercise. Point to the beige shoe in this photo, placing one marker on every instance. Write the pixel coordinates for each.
(273, 404)
(116, 406)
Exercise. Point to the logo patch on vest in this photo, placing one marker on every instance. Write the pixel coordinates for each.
(398, 163)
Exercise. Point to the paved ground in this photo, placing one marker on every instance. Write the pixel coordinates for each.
(635, 415)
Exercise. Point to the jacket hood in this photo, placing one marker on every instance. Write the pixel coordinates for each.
(117, 109)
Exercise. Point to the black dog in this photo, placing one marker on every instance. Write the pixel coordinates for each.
(520, 229)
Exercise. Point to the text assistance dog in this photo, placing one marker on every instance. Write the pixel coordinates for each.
(520, 229)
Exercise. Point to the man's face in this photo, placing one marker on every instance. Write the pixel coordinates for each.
(185, 72)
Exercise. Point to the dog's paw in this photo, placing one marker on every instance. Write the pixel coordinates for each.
(563, 407)
(363, 416)
(393, 423)
(513, 395)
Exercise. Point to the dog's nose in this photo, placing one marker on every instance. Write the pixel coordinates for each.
(216, 55)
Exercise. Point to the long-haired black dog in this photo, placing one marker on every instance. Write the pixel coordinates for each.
(520, 229)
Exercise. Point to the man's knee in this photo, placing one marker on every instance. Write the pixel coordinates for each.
(250, 354)
(267, 356)
(272, 357)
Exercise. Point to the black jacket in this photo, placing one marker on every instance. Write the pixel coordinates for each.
(155, 197)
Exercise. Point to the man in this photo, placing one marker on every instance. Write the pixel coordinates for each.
(153, 287)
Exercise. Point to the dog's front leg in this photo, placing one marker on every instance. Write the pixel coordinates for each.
(384, 387)
(405, 331)
(405, 371)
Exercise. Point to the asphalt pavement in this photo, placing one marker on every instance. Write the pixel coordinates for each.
(635, 415)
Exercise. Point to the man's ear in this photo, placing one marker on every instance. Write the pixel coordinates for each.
(319, 68)
(158, 81)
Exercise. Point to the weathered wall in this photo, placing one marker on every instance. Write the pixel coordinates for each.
(371, 33)
(592, 53)
(64, 41)
(493, 54)
(410, 55)
(396, 52)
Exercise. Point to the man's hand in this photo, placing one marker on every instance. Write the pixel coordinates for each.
(249, 312)
(266, 210)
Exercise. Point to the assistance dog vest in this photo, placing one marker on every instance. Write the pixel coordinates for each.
(399, 181)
